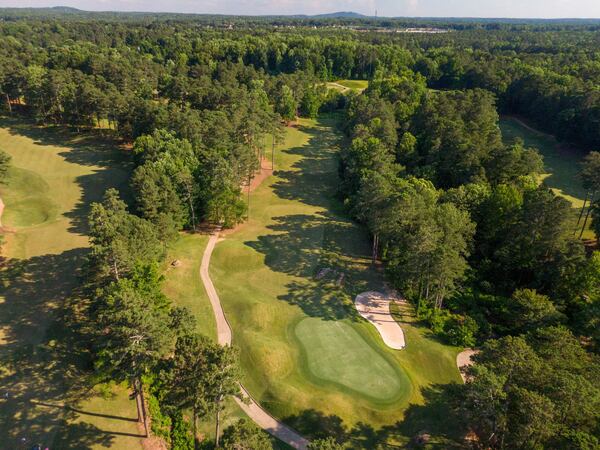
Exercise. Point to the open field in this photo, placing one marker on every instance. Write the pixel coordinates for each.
(44, 365)
(285, 320)
(562, 165)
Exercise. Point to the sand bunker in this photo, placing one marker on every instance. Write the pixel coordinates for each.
(375, 307)
(464, 360)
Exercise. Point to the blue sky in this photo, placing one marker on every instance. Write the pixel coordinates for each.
(441, 8)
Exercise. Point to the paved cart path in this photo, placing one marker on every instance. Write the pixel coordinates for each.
(224, 336)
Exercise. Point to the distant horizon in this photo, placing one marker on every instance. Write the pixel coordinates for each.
(450, 9)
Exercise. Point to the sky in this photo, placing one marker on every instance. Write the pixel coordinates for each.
(428, 8)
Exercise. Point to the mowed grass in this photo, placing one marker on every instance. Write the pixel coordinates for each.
(345, 86)
(182, 281)
(265, 273)
(44, 365)
(335, 352)
(561, 165)
(355, 85)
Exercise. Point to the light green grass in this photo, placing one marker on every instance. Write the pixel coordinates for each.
(336, 353)
(265, 275)
(355, 85)
(345, 86)
(561, 164)
(182, 282)
(44, 365)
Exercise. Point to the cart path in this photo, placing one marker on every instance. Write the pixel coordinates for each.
(224, 336)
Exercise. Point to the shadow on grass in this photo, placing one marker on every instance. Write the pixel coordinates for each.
(302, 245)
(313, 179)
(438, 417)
(88, 148)
(44, 336)
(44, 356)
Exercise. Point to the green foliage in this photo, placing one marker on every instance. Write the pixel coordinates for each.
(325, 444)
(135, 326)
(286, 104)
(161, 423)
(181, 434)
(120, 240)
(245, 435)
(5, 159)
(590, 172)
(532, 392)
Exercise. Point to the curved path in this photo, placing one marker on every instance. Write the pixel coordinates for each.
(224, 336)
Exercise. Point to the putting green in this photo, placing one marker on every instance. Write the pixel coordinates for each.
(335, 352)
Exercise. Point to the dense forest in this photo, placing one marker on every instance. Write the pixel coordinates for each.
(459, 219)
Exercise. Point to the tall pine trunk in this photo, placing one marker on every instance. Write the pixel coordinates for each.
(144, 413)
(587, 216)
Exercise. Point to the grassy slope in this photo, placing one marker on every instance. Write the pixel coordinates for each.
(265, 275)
(55, 176)
(182, 283)
(561, 166)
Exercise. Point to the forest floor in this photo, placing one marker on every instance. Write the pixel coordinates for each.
(562, 163)
(284, 319)
(47, 395)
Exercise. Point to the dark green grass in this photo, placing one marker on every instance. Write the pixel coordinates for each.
(265, 275)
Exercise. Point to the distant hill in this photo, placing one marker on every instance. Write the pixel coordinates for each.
(340, 15)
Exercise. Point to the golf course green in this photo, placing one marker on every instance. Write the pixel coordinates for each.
(561, 164)
(48, 397)
(335, 352)
(304, 348)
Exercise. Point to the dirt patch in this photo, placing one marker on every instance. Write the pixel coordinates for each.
(264, 172)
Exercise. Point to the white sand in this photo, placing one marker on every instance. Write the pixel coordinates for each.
(375, 307)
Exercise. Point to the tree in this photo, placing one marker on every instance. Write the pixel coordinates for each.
(120, 240)
(590, 175)
(187, 377)
(530, 310)
(531, 392)
(135, 329)
(286, 104)
(221, 379)
(245, 435)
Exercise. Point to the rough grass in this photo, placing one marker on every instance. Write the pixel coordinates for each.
(44, 365)
(561, 164)
(265, 275)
